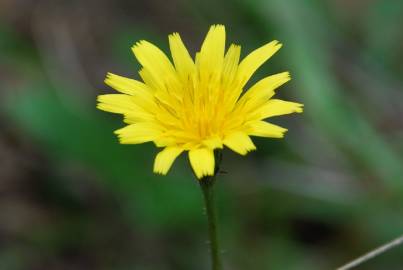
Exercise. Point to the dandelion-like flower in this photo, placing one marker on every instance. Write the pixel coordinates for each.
(199, 105)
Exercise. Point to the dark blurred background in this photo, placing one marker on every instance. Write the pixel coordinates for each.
(71, 197)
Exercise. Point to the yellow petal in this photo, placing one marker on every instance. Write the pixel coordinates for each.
(125, 85)
(231, 89)
(264, 129)
(126, 105)
(183, 62)
(231, 61)
(213, 143)
(139, 133)
(165, 158)
(116, 103)
(255, 59)
(275, 107)
(266, 86)
(152, 82)
(142, 93)
(262, 91)
(163, 141)
(157, 64)
(139, 115)
(152, 58)
(202, 161)
(239, 142)
(211, 55)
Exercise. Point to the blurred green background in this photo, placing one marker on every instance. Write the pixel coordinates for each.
(71, 197)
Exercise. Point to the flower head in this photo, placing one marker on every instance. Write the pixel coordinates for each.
(197, 105)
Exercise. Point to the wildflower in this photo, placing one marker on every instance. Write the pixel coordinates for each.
(199, 105)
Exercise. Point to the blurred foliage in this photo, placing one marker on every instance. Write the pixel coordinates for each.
(73, 198)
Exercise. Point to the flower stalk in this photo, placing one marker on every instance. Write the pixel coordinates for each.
(207, 187)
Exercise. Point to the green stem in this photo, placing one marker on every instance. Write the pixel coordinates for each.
(207, 184)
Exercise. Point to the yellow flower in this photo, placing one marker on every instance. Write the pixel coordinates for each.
(197, 106)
